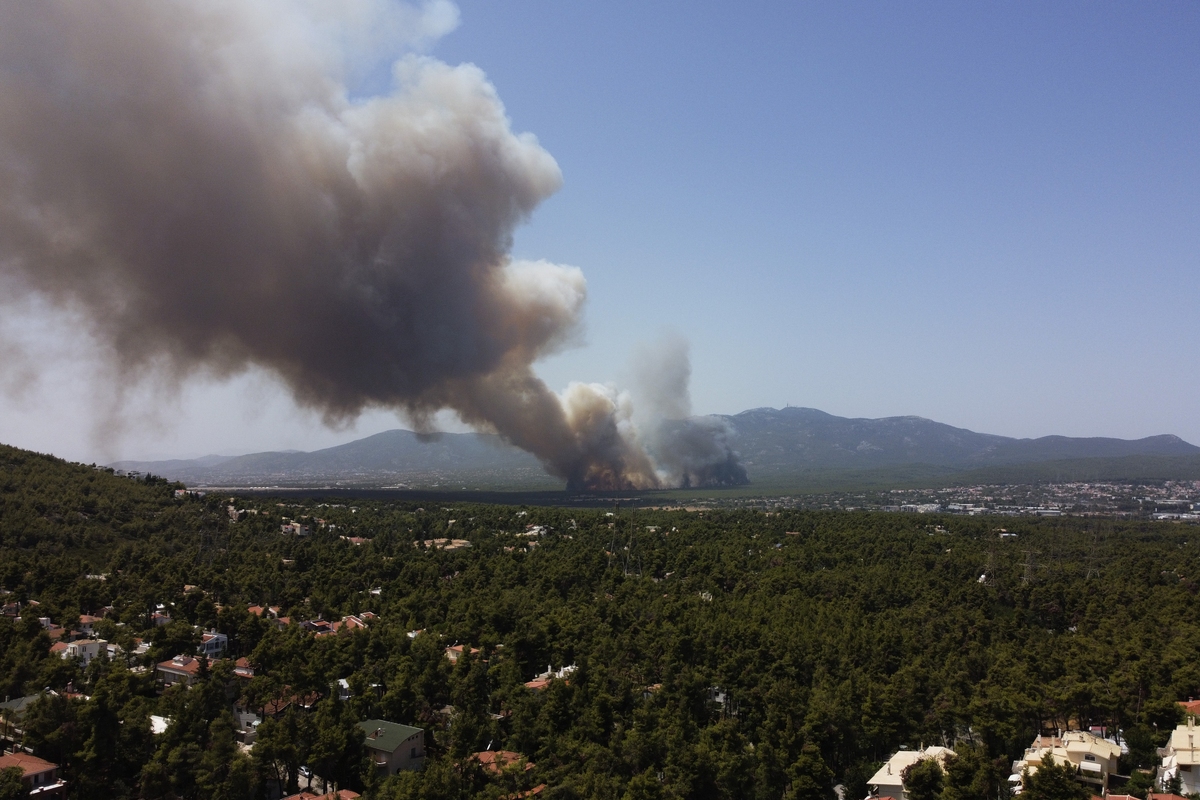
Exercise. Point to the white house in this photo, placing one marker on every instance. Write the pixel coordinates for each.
(1093, 758)
(83, 649)
(887, 782)
(213, 644)
(1181, 757)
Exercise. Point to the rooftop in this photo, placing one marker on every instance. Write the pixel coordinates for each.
(386, 736)
(29, 764)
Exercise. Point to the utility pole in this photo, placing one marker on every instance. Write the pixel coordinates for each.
(1030, 566)
(1093, 561)
(989, 577)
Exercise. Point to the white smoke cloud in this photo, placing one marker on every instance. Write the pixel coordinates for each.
(203, 184)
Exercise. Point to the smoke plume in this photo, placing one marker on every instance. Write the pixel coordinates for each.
(201, 181)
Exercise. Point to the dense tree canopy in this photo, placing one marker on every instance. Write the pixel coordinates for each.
(719, 653)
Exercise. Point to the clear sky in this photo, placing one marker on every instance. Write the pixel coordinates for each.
(983, 214)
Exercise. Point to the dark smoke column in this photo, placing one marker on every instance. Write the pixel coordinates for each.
(196, 178)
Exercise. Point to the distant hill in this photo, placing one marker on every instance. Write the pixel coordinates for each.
(778, 447)
(392, 458)
(776, 441)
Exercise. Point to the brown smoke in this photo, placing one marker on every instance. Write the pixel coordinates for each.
(199, 181)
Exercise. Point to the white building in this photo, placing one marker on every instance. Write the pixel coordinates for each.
(1181, 757)
(83, 649)
(213, 644)
(1093, 758)
(887, 782)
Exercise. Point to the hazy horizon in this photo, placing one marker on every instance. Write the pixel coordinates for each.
(981, 216)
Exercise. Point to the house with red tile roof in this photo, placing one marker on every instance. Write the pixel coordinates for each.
(180, 669)
(83, 649)
(86, 623)
(301, 702)
(340, 794)
(39, 775)
(454, 652)
(497, 761)
(213, 644)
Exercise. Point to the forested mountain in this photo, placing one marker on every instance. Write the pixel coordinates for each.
(790, 439)
(774, 444)
(719, 654)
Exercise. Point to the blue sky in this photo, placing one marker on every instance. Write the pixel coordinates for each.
(984, 214)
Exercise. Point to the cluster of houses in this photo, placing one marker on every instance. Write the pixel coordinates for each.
(1093, 756)
(392, 746)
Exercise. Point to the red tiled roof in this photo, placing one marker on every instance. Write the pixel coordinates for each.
(1190, 706)
(29, 764)
(185, 664)
(281, 703)
(537, 684)
(340, 794)
(495, 761)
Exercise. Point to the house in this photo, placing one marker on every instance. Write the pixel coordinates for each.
(496, 762)
(340, 794)
(11, 714)
(213, 644)
(180, 669)
(1094, 758)
(455, 652)
(537, 684)
(288, 699)
(394, 747)
(888, 780)
(160, 619)
(84, 649)
(86, 623)
(242, 668)
(39, 775)
(1181, 758)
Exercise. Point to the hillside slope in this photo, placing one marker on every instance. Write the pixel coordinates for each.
(774, 441)
(775, 445)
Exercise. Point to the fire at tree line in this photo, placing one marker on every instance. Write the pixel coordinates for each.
(159, 643)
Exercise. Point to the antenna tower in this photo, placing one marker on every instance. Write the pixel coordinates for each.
(1030, 566)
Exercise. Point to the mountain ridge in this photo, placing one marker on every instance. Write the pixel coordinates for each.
(773, 444)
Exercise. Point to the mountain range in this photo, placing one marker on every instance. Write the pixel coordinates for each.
(775, 445)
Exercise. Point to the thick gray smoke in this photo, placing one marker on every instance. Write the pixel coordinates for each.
(200, 182)
(688, 451)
